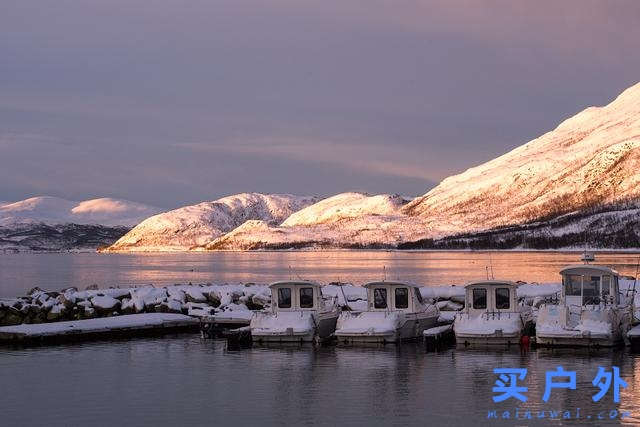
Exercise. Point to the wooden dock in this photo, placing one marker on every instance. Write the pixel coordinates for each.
(146, 324)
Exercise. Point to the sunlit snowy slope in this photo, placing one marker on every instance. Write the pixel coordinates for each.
(348, 220)
(184, 228)
(589, 160)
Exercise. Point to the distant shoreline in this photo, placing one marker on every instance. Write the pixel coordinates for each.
(413, 250)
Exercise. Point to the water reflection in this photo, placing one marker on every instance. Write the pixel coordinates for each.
(184, 380)
(20, 272)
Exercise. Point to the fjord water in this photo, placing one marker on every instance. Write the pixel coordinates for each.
(53, 271)
(186, 380)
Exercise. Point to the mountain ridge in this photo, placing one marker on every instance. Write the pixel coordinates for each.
(190, 226)
(588, 159)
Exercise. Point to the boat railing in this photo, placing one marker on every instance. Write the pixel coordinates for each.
(490, 315)
(497, 315)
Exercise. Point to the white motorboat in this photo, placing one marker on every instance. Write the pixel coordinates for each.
(396, 312)
(298, 313)
(491, 315)
(591, 310)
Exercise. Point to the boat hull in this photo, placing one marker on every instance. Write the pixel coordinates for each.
(321, 329)
(410, 329)
(559, 327)
(578, 341)
(504, 330)
(488, 340)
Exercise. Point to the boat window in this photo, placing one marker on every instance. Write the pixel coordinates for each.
(480, 298)
(591, 290)
(606, 286)
(306, 297)
(284, 297)
(402, 298)
(418, 295)
(502, 299)
(380, 298)
(572, 285)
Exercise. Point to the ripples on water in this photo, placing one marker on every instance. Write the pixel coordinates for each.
(183, 380)
(20, 272)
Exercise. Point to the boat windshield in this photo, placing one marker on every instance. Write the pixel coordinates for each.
(591, 290)
(306, 297)
(480, 298)
(606, 286)
(503, 301)
(284, 297)
(572, 285)
(380, 298)
(402, 297)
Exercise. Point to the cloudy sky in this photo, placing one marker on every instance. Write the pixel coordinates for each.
(174, 102)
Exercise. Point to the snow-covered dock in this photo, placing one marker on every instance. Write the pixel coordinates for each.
(107, 327)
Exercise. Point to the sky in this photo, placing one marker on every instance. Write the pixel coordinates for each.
(170, 103)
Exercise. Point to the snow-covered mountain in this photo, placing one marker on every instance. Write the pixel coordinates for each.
(54, 210)
(184, 228)
(589, 160)
(345, 206)
(583, 174)
(615, 227)
(347, 220)
(52, 223)
(38, 236)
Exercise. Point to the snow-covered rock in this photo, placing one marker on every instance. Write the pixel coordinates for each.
(191, 226)
(105, 303)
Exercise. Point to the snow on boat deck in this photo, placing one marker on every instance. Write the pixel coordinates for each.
(438, 330)
(127, 325)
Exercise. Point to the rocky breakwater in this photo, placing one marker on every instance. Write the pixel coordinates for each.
(41, 306)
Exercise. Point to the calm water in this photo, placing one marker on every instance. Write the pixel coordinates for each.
(188, 381)
(20, 272)
(183, 380)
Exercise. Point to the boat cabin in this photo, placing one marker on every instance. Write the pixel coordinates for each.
(590, 285)
(394, 296)
(295, 296)
(490, 296)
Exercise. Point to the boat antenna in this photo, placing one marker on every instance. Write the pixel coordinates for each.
(384, 272)
(633, 293)
(292, 273)
(635, 279)
(491, 265)
(486, 270)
